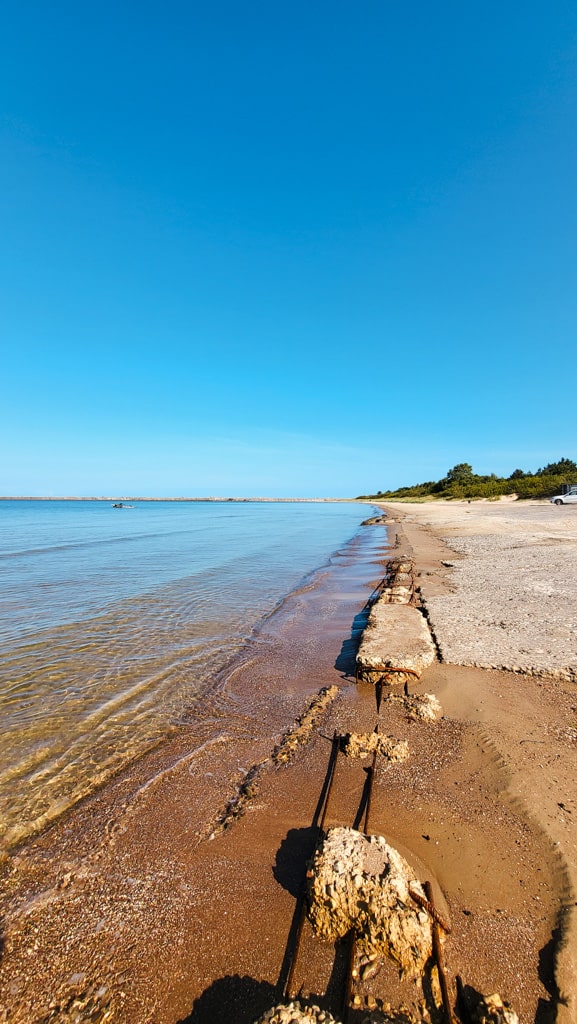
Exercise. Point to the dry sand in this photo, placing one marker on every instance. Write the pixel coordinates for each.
(128, 910)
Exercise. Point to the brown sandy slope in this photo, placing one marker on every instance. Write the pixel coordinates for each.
(128, 910)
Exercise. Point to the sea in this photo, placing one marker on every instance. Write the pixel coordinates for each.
(114, 621)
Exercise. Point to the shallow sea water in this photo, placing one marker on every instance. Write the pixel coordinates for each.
(114, 622)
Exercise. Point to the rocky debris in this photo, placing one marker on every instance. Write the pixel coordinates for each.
(424, 706)
(396, 638)
(296, 1013)
(379, 1012)
(356, 745)
(488, 1009)
(360, 883)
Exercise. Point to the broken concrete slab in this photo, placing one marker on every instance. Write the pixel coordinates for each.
(396, 644)
(424, 706)
(360, 883)
(355, 745)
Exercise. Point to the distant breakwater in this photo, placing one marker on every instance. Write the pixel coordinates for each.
(130, 497)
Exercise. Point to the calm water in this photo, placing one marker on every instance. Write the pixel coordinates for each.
(112, 623)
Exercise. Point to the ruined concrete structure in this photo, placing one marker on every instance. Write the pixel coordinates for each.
(396, 645)
(360, 883)
(396, 636)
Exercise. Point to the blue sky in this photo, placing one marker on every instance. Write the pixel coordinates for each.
(285, 248)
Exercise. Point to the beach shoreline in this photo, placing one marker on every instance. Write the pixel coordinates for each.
(173, 795)
(126, 906)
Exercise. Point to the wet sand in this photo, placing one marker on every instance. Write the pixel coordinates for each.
(136, 907)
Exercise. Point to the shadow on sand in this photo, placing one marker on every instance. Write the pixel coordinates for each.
(345, 663)
(232, 1000)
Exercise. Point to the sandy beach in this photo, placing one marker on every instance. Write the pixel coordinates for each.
(141, 906)
(499, 585)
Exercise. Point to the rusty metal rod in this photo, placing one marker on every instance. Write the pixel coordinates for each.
(428, 906)
(409, 671)
(438, 954)
(387, 671)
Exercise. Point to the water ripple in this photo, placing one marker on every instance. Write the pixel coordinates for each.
(110, 631)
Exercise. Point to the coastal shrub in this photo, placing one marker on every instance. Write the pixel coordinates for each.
(461, 483)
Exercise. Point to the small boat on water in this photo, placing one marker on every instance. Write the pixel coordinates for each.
(121, 504)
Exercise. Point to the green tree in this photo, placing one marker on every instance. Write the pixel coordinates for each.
(565, 467)
(460, 474)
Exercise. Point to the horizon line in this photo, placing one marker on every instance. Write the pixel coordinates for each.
(67, 497)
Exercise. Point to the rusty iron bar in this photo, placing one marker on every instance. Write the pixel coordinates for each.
(431, 910)
(302, 898)
(387, 671)
(438, 955)
(379, 684)
(409, 671)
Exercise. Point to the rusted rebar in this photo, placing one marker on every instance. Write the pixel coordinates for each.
(385, 672)
(438, 955)
(431, 910)
(409, 671)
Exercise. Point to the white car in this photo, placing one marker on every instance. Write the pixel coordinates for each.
(566, 499)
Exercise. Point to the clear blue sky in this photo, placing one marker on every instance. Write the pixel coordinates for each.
(285, 248)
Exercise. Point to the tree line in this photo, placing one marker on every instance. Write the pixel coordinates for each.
(462, 482)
